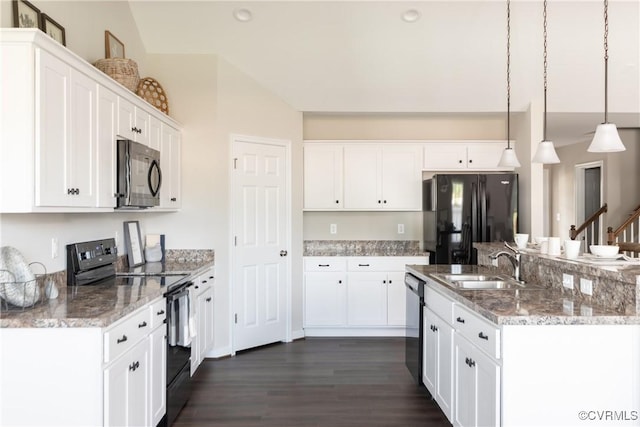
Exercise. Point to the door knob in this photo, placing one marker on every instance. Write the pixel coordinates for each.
(283, 253)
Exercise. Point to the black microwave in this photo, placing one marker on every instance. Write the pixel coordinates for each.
(139, 176)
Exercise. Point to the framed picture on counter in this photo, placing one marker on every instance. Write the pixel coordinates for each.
(133, 243)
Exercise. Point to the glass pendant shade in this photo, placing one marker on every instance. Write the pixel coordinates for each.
(509, 159)
(546, 154)
(606, 139)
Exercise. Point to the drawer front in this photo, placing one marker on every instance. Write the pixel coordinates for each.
(439, 304)
(482, 333)
(126, 333)
(158, 313)
(383, 263)
(324, 264)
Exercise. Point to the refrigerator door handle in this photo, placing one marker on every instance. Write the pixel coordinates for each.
(474, 214)
(483, 211)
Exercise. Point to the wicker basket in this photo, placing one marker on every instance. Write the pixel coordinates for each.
(124, 71)
(150, 90)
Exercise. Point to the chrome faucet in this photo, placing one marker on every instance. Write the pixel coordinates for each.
(513, 255)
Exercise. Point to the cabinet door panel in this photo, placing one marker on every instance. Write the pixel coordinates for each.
(138, 385)
(362, 177)
(402, 177)
(430, 352)
(126, 119)
(325, 299)
(82, 137)
(142, 125)
(444, 367)
(366, 299)
(52, 181)
(158, 374)
(323, 176)
(170, 163)
(396, 300)
(465, 385)
(116, 393)
(445, 156)
(485, 155)
(106, 147)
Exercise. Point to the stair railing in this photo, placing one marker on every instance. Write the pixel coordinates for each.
(589, 224)
(627, 235)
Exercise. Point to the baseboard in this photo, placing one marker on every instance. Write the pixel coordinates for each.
(217, 353)
(355, 332)
(296, 335)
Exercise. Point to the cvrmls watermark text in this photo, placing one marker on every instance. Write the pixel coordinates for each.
(609, 415)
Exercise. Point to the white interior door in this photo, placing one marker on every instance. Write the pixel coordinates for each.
(260, 247)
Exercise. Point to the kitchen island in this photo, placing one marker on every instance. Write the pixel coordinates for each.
(532, 356)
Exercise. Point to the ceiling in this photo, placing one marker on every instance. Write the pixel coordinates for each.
(360, 56)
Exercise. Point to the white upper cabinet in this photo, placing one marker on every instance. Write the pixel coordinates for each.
(59, 128)
(466, 155)
(361, 176)
(323, 176)
(170, 158)
(65, 151)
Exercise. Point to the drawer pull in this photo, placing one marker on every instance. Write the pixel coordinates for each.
(483, 336)
(363, 265)
(160, 313)
(210, 277)
(323, 265)
(142, 325)
(121, 340)
(460, 320)
(208, 299)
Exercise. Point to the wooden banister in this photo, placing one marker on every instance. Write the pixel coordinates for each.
(573, 232)
(613, 234)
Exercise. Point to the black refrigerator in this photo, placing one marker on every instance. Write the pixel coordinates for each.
(460, 209)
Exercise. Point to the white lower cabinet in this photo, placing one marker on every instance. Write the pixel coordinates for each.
(437, 368)
(127, 390)
(202, 311)
(355, 296)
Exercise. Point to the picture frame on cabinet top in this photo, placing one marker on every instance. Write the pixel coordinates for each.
(133, 243)
(113, 48)
(53, 29)
(25, 15)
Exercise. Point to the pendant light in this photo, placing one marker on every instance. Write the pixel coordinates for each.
(606, 138)
(546, 153)
(509, 158)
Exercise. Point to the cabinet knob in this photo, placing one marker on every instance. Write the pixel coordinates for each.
(197, 287)
(459, 161)
(208, 299)
(390, 281)
(483, 336)
(340, 282)
(173, 199)
(210, 277)
(283, 253)
(204, 281)
(384, 282)
(460, 320)
(337, 201)
(384, 201)
(379, 201)
(470, 161)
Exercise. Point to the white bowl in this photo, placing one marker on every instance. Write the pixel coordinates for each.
(604, 250)
(539, 240)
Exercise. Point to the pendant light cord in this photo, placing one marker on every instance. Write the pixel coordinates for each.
(606, 59)
(508, 74)
(544, 34)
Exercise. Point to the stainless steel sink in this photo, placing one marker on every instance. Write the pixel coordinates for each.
(480, 281)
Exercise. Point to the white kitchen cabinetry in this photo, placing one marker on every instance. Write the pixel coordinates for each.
(170, 163)
(468, 155)
(437, 369)
(382, 176)
(359, 176)
(133, 122)
(355, 296)
(127, 388)
(65, 152)
(323, 176)
(201, 297)
(106, 151)
(58, 144)
(158, 362)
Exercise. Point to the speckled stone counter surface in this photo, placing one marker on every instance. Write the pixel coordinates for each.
(539, 306)
(614, 286)
(362, 248)
(100, 305)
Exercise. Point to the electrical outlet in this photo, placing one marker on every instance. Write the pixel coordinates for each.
(400, 228)
(567, 306)
(333, 228)
(117, 238)
(494, 262)
(567, 281)
(585, 310)
(586, 286)
(54, 248)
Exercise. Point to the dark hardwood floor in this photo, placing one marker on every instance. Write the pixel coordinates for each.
(315, 382)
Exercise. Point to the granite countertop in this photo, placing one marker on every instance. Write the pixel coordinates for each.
(99, 306)
(535, 306)
(363, 248)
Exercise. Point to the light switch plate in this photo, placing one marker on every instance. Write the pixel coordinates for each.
(333, 228)
(400, 228)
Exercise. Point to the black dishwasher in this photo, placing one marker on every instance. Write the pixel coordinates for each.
(414, 333)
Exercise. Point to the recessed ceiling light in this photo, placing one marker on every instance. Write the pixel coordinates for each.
(411, 15)
(243, 15)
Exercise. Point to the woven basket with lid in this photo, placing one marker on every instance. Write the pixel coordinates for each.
(122, 70)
